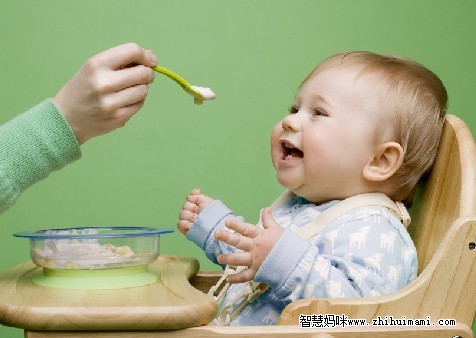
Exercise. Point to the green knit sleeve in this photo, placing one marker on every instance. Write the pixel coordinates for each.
(32, 145)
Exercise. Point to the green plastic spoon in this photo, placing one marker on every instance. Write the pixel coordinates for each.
(199, 93)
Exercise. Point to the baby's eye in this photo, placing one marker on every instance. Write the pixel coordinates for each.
(293, 110)
(318, 112)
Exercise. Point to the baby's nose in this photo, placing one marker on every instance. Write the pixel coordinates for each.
(291, 123)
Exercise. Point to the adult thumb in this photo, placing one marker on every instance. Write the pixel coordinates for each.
(267, 218)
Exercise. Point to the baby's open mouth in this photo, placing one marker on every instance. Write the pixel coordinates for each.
(290, 151)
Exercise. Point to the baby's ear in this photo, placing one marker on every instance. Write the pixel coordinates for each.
(386, 162)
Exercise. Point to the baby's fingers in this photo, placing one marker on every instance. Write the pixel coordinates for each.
(196, 191)
(184, 226)
(190, 206)
(238, 241)
(187, 215)
(243, 228)
(194, 195)
(241, 277)
(241, 258)
(268, 219)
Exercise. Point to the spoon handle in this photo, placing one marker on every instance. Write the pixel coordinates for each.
(177, 78)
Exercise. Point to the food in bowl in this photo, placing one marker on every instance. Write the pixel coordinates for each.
(94, 247)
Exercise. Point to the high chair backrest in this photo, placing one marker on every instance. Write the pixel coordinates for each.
(447, 193)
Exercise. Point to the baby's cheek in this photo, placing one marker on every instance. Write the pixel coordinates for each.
(276, 132)
(275, 146)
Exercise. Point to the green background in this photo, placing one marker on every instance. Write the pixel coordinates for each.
(253, 54)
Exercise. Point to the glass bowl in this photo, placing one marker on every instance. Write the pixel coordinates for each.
(93, 248)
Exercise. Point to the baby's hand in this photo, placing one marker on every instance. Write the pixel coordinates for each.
(194, 204)
(255, 242)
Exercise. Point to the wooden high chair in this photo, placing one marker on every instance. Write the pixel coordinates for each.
(444, 232)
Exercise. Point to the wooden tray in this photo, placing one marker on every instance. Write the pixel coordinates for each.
(170, 303)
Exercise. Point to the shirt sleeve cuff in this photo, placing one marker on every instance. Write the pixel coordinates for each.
(34, 144)
(282, 260)
(206, 222)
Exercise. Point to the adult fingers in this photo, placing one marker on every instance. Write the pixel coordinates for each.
(124, 98)
(121, 116)
(123, 55)
(243, 228)
(128, 77)
(238, 241)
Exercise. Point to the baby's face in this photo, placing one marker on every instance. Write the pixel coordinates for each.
(320, 149)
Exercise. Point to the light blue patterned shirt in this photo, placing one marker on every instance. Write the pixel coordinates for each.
(364, 253)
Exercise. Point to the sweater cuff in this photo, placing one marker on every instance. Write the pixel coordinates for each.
(36, 143)
(206, 222)
(282, 260)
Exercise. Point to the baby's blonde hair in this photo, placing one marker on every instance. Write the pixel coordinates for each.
(414, 104)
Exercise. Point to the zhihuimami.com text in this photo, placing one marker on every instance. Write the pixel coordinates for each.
(332, 320)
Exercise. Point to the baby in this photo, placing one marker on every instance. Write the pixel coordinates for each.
(361, 124)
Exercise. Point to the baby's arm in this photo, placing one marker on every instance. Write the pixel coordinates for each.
(255, 242)
(200, 217)
(360, 258)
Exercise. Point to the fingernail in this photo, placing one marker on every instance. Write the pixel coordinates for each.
(153, 58)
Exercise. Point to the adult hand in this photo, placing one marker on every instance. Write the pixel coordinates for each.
(255, 242)
(107, 91)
